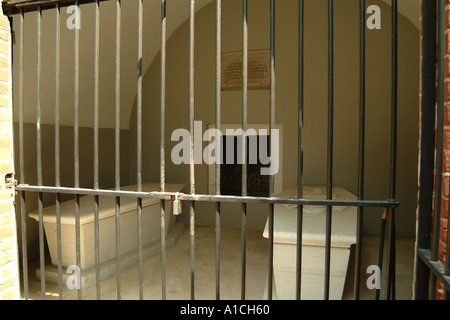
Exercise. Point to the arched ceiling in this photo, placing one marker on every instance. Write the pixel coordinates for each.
(177, 13)
(408, 8)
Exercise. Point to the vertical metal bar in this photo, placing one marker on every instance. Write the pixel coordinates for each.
(117, 143)
(38, 97)
(384, 218)
(218, 120)
(162, 147)
(191, 130)
(440, 140)
(39, 153)
(271, 240)
(329, 148)
(163, 249)
(362, 123)
(96, 91)
(140, 251)
(23, 215)
(77, 147)
(390, 287)
(21, 97)
(244, 248)
(440, 132)
(57, 146)
(139, 146)
(271, 128)
(300, 147)
(244, 142)
(96, 145)
(427, 138)
(217, 250)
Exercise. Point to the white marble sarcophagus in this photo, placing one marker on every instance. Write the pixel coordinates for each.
(343, 229)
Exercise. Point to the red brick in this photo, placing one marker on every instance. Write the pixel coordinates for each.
(445, 186)
(447, 67)
(444, 209)
(447, 45)
(447, 114)
(442, 252)
(446, 161)
(447, 90)
(443, 231)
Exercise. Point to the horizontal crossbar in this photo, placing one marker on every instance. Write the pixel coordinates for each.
(208, 198)
(14, 6)
(437, 267)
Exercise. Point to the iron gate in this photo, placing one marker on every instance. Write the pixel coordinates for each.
(19, 10)
(429, 267)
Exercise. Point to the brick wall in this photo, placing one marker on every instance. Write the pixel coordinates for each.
(446, 157)
(9, 276)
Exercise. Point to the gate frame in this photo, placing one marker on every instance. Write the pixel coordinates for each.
(21, 6)
(428, 267)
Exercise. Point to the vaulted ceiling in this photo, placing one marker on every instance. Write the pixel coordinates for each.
(177, 13)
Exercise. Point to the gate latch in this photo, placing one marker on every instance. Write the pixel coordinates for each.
(176, 205)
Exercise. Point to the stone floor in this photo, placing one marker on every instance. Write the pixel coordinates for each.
(178, 271)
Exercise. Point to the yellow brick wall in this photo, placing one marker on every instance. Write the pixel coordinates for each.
(9, 275)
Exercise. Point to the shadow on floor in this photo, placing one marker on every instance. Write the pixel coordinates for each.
(178, 271)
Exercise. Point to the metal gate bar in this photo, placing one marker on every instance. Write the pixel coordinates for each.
(57, 145)
(429, 267)
(218, 122)
(211, 198)
(426, 164)
(329, 147)
(271, 127)
(162, 146)
(301, 65)
(39, 153)
(440, 140)
(361, 151)
(96, 146)
(139, 145)
(77, 146)
(21, 162)
(117, 144)
(191, 131)
(390, 286)
(244, 140)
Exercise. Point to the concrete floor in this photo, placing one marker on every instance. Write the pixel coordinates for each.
(178, 271)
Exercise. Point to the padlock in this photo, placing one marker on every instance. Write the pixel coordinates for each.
(176, 206)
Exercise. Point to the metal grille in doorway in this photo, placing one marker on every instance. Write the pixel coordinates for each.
(34, 12)
(431, 267)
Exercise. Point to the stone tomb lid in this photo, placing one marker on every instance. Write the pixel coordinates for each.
(343, 223)
(106, 205)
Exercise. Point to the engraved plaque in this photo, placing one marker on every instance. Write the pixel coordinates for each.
(258, 70)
